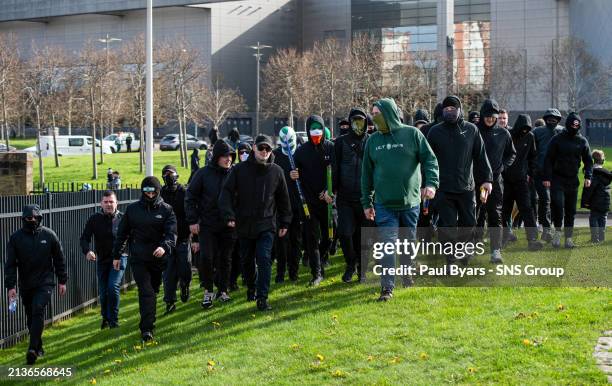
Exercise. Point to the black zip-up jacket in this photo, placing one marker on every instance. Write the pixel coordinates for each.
(565, 151)
(146, 226)
(597, 196)
(255, 196)
(202, 197)
(312, 161)
(498, 143)
(294, 196)
(525, 162)
(459, 148)
(542, 136)
(176, 199)
(38, 256)
(347, 171)
(103, 227)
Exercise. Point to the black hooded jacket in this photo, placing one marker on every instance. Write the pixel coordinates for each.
(202, 196)
(282, 160)
(103, 227)
(147, 226)
(348, 151)
(37, 255)
(525, 162)
(176, 199)
(437, 118)
(312, 161)
(421, 115)
(255, 196)
(497, 140)
(564, 153)
(459, 149)
(597, 196)
(543, 135)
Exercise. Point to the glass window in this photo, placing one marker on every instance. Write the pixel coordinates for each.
(75, 142)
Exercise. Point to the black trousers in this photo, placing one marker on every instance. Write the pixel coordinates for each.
(35, 302)
(455, 210)
(214, 265)
(236, 268)
(148, 276)
(178, 270)
(543, 202)
(564, 195)
(350, 221)
(316, 239)
(493, 210)
(518, 191)
(287, 249)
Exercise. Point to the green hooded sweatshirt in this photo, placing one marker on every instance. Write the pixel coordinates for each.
(392, 163)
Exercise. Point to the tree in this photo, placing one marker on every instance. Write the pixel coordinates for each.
(93, 64)
(215, 104)
(135, 70)
(365, 75)
(9, 66)
(577, 80)
(281, 83)
(41, 78)
(182, 69)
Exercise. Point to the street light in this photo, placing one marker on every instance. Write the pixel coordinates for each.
(258, 55)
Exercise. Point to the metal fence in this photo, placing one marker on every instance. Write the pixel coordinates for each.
(60, 187)
(66, 214)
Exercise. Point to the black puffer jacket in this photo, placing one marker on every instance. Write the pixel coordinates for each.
(255, 196)
(497, 140)
(202, 196)
(348, 151)
(543, 135)
(525, 162)
(146, 226)
(103, 227)
(37, 255)
(459, 147)
(312, 161)
(597, 196)
(176, 199)
(565, 151)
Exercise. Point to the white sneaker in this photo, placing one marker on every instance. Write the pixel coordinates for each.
(208, 300)
(224, 297)
(556, 239)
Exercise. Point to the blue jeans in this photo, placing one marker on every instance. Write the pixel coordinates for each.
(258, 253)
(388, 222)
(109, 284)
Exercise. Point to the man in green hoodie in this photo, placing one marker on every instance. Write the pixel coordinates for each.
(391, 181)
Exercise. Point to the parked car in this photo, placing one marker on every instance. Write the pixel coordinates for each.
(171, 142)
(3, 147)
(244, 138)
(67, 145)
(111, 141)
(303, 135)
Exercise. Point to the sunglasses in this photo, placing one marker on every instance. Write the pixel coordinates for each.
(243, 152)
(264, 148)
(148, 189)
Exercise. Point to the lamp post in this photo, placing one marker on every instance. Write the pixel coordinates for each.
(149, 91)
(258, 55)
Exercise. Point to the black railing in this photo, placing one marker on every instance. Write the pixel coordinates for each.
(61, 187)
(66, 214)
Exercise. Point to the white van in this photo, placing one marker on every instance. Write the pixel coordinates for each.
(111, 141)
(67, 145)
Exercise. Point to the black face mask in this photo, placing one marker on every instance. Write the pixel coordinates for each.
(31, 225)
(170, 181)
(150, 200)
(551, 125)
(572, 130)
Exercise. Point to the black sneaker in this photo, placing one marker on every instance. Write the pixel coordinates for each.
(207, 302)
(348, 275)
(104, 324)
(185, 293)
(251, 296)
(547, 235)
(293, 278)
(170, 308)
(147, 336)
(40, 353)
(31, 357)
(407, 281)
(263, 305)
(279, 279)
(113, 325)
(315, 281)
(233, 287)
(385, 295)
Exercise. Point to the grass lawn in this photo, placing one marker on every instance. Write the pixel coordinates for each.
(20, 143)
(79, 168)
(338, 334)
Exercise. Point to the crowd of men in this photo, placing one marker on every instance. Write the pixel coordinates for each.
(250, 204)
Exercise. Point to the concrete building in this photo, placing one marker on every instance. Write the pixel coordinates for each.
(223, 30)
